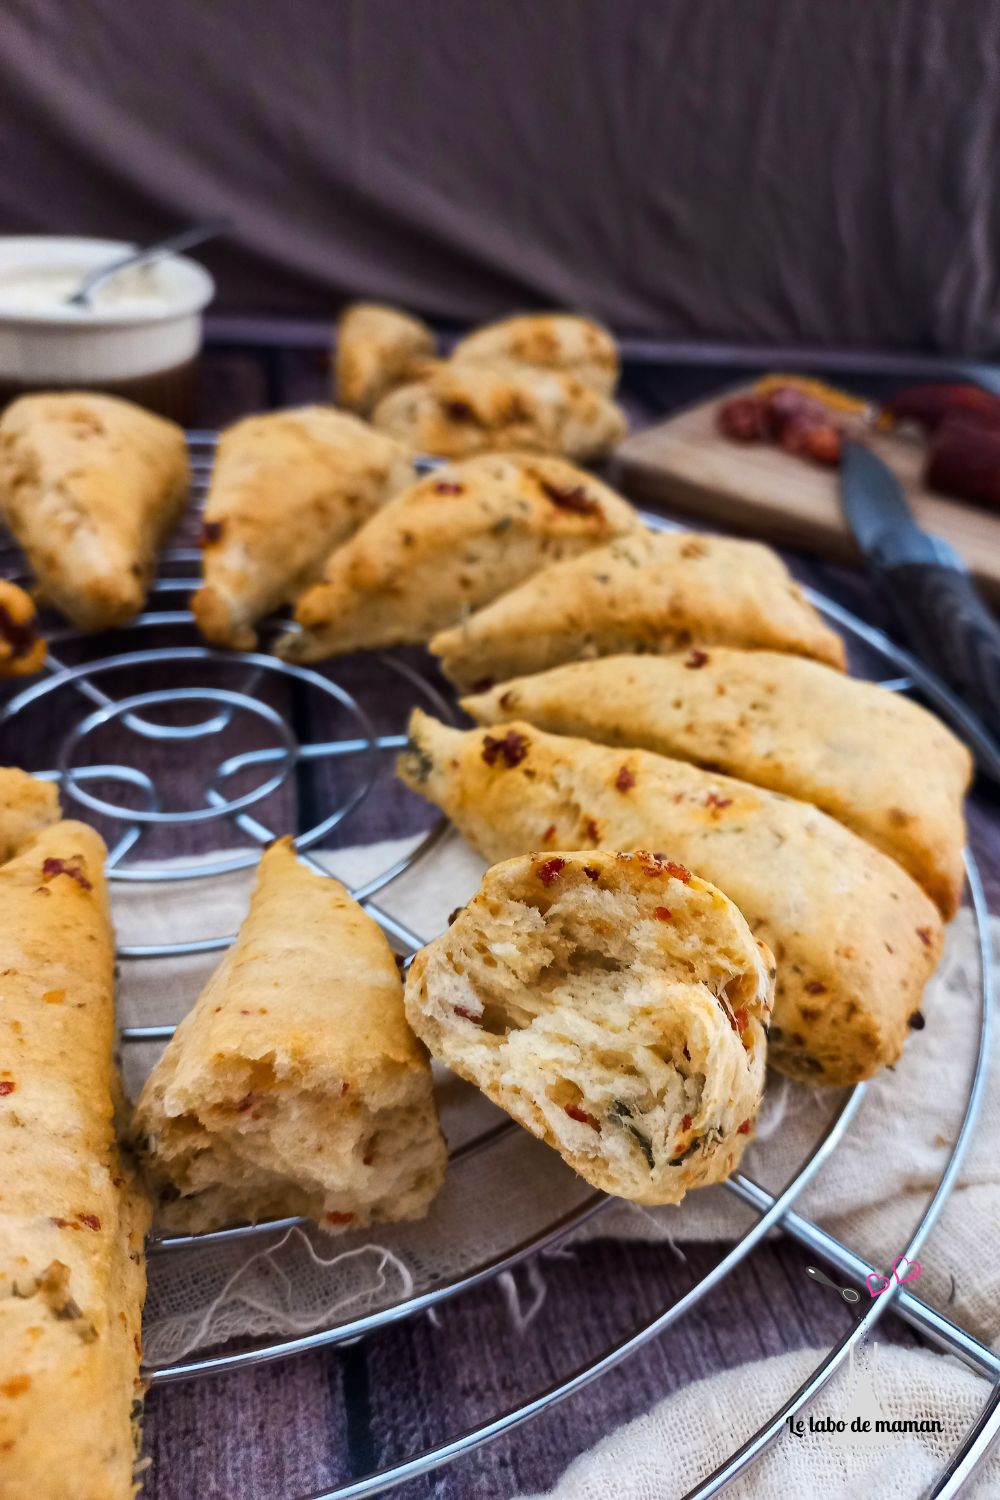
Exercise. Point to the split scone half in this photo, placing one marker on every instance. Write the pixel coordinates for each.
(855, 938)
(614, 1004)
(653, 592)
(468, 407)
(378, 348)
(448, 544)
(287, 488)
(872, 759)
(27, 805)
(22, 647)
(90, 486)
(295, 1085)
(551, 341)
(72, 1217)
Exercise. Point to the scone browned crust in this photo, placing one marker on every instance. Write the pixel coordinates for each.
(653, 592)
(295, 1085)
(287, 488)
(467, 408)
(27, 805)
(22, 647)
(872, 759)
(378, 347)
(72, 1219)
(854, 937)
(615, 1005)
(447, 545)
(552, 341)
(90, 486)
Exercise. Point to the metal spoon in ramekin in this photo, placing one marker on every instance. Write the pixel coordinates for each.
(186, 240)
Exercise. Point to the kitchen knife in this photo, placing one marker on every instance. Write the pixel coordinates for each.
(928, 587)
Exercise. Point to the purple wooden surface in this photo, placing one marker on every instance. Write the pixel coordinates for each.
(298, 1426)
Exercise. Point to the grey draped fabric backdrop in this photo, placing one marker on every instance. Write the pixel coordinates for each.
(781, 170)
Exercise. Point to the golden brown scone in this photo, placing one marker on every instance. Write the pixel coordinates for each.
(551, 341)
(22, 648)
(461, 409)
(854, 937)
(295, 1085)
(377, 348)
(615, 1005)
(72, 1219)
(450, 543)
(90, 486)
(287, 488)
(653, 592)
(870, 758)
(26, 806)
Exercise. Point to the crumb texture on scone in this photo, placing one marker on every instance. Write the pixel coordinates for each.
(854, 937)
(615, 1005)
(552, 341)
(287, 488)
(655, 592)
(872, 759)
(464, 408)
(449, 544)
(295, 1085)
(22, 647)
(378, 348)
(26, 806)
(90, 486)
(72, 1218)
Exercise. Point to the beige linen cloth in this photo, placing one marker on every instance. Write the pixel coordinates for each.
(870, 1194)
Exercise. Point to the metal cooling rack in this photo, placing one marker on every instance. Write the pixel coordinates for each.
(85, 698)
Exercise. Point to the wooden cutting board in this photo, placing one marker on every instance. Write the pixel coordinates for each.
(685, 464)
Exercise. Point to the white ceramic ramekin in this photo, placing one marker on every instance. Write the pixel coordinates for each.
(142, 336)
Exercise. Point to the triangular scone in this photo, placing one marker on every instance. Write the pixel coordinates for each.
(870, 758)
(90, 486)
(26, 806)
(287, 488)
(466, 408)
(854, 937)
(616, 1005)
(652, 591)
(72, 1219)
(377, 348)
(22, 647)
(449, 544)
(551, 341)
(295, 1086)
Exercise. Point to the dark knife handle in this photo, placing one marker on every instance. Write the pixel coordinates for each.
(947, 624)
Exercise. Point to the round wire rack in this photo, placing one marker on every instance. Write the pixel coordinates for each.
(260, 723)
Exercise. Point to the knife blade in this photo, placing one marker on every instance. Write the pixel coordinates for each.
(931, 594)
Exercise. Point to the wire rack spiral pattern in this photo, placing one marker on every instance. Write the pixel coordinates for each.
(233, 691)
